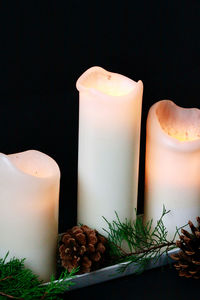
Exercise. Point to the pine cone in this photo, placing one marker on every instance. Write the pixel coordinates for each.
(82, 247)
(188, 259)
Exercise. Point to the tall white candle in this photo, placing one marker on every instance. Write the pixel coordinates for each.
(172, 164)
(29, 192)
(109, 139)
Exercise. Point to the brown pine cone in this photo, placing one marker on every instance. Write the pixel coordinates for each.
(188, 259)
(82, 247)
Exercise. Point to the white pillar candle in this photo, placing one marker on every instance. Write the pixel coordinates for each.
(172, 164)
(29, 192)
(109, 139)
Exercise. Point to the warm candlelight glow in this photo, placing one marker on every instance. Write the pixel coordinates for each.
(32, 164)
(109, 139)
(29, 210)
(172, 164)
(180, 123)
(112, 84)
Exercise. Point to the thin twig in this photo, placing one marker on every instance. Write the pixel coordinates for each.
(8, 277)
(146, 250)
(125, 253)
(44, 295)
(9, 296)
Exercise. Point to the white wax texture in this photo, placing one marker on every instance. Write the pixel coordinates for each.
(109, 138)
(29, 192)
(172, 164)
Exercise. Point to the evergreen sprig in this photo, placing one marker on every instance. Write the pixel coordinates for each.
(18, 282)
(143, 242)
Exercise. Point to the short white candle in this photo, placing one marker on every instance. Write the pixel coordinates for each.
(172, 164)
(29, 192)
(109, 139)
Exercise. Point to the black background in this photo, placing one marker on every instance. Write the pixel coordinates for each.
(46, 45)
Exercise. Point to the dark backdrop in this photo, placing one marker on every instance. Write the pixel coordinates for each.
(46, 45)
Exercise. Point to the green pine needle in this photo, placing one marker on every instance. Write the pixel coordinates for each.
(144, 242)
(17, 282)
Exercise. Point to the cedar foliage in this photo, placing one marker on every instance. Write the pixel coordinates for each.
(18, 282)
(144, 242)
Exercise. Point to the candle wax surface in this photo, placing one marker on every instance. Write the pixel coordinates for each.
(172, 165)
(29, 192)
(109, 138)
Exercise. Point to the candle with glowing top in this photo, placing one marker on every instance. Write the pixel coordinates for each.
(109, 139)
(29, 192)
(172, 164)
